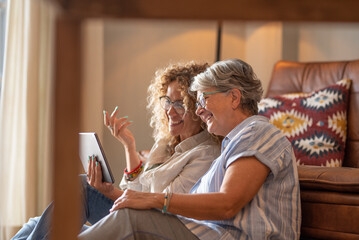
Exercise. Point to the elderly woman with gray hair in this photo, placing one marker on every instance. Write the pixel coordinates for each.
(251, 190)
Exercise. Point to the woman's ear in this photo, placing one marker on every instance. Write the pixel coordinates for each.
(236, 98)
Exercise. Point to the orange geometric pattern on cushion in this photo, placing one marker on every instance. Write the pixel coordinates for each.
(315, 123)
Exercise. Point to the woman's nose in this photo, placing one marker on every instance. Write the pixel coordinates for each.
(199, 110)
(171, 110)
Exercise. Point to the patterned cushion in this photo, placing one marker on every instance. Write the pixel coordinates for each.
(315, 123)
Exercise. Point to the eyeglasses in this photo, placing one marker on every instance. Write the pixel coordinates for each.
(166, 104)
(202, 101)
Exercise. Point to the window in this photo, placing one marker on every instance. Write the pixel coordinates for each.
(2, 37)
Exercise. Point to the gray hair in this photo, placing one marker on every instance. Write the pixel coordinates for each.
(232, 74)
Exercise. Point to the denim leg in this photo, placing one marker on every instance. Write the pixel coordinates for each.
(36, 228)
(95, 207)
(26, 229)
(43, 226)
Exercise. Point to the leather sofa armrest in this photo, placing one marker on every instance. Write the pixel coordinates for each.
(340, 179)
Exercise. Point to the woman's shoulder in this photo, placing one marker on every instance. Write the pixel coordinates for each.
(159, 152)
(260, 125)
(201, 145)
(254, 130)
(208, 141)
(210, 148)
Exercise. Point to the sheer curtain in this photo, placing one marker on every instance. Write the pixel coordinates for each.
(25, 113)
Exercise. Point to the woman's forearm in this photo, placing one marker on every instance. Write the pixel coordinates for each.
(132, 159)
(206, 206)
(242, 181)
(114, 194)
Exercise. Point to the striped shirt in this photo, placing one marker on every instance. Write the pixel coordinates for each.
(274, 212)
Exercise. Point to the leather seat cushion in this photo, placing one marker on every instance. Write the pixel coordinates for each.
(327, 178)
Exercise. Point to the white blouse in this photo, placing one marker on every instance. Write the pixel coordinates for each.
(179, 172)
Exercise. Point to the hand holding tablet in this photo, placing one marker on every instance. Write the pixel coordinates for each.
(90, 146)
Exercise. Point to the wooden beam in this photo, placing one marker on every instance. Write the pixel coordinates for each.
(264, 10)
(66, 219)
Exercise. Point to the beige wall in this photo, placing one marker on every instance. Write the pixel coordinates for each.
(258, 43)
(93, 74)
(122, 57)
(328, 41)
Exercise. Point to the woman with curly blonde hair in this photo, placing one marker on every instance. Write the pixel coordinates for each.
(182, 153)
(183, 150)
(164, 77)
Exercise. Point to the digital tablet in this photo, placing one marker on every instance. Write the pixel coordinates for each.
(90, 145)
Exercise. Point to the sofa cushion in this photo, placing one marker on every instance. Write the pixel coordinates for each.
(330, 179)
(315, 123)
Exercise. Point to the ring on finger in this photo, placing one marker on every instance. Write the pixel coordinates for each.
(110, 127)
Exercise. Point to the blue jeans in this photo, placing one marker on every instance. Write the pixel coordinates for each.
(95, 207)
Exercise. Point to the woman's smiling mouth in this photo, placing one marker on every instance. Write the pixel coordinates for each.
(207, 117)
(175, 123)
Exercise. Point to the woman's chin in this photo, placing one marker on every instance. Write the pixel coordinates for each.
(175, 129)
(174, 132)
(211, 129)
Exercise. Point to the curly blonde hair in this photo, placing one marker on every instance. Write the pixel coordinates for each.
(183, 74)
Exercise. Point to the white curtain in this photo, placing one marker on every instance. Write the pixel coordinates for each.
(26, 113)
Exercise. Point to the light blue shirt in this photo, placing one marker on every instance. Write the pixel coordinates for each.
(274, 212)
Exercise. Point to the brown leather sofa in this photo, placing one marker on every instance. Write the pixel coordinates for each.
(330, 196)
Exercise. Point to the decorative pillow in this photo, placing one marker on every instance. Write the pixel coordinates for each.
(315, 123)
